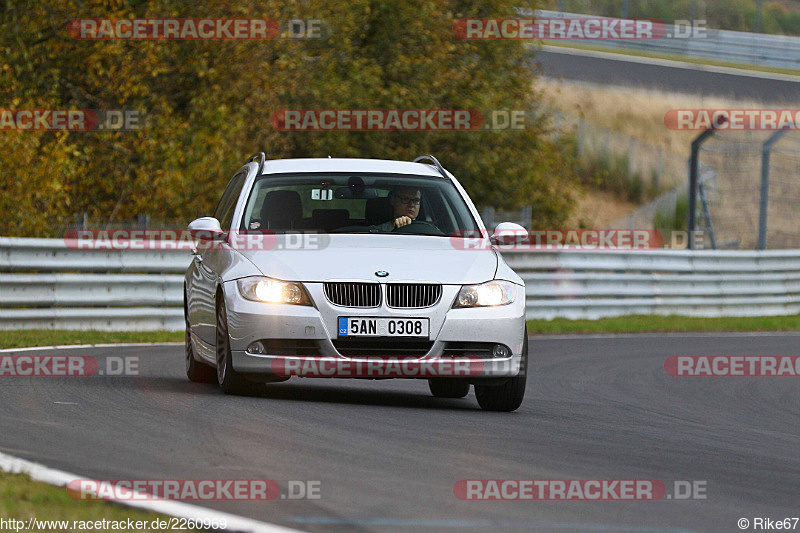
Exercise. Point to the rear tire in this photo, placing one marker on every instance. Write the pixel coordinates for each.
(508, 396)
(230, 381)
(448, 388)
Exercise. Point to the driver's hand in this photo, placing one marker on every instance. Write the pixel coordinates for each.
(399, 222)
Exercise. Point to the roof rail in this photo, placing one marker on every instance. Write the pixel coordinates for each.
(436, 163)
(261, 159)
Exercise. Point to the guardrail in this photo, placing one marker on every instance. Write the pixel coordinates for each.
(602, 283)
(44, 284)
(721, 45)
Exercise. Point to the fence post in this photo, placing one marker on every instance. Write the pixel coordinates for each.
(757, 23)
(659, 170)
(766, 149)
(632, 157)
(527, 216)
(694, 162)
(707, 215)
(488, 217)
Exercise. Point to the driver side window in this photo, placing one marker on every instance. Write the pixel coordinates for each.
(227, 205)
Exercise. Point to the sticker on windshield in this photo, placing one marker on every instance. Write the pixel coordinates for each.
(321, 194)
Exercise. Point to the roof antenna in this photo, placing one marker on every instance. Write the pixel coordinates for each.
(329, 156)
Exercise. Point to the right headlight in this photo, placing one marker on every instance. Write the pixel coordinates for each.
(489, 294)
(273, 291)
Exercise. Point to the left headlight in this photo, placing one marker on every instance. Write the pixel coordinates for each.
(273, 291)
(489, 294)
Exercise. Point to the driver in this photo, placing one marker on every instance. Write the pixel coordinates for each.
(405, 207)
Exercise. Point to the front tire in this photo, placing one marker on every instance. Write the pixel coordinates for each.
(508, 396)
(196, 371)
(448, 388)
(230, 381)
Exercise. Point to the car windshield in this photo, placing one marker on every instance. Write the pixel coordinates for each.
(356, 203)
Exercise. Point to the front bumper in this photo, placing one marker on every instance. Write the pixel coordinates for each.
(250, 321)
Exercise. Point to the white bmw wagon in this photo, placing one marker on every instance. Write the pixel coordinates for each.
(357, 268)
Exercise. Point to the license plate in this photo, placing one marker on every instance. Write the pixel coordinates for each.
(383, 327)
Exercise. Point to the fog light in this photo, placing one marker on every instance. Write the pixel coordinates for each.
(256, 348)
(500, 351)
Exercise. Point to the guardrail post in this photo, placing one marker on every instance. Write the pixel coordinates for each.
(766, 149)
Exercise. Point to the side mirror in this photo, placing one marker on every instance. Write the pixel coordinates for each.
(507, 233)
(206, 229)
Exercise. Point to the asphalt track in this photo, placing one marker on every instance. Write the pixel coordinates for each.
(388, 454)
(626, 71)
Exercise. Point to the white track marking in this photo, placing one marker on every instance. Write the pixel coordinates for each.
(59, 478)
(84, 346)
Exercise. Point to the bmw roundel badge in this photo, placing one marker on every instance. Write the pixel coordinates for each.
(381, 273)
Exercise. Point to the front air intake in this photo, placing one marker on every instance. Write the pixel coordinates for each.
(412, 295)
(353, 294)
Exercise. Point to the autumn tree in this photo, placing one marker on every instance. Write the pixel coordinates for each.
(208, 103)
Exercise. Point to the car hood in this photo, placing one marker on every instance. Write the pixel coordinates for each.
(358, 257)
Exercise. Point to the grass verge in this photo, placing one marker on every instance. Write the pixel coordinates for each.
(22, 499)
(622, 324)
(658, 324)
(53, 337)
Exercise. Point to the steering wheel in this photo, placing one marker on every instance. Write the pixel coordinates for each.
(419, 227)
